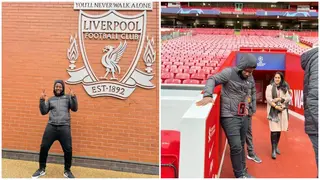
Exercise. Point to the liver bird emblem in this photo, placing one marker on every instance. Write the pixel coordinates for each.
(111, 59)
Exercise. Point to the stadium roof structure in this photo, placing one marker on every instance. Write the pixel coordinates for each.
(227, 13)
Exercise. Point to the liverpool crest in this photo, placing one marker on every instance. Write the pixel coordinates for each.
(111, 45)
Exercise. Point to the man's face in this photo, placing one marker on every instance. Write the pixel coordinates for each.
(247, 72)
(58, 88)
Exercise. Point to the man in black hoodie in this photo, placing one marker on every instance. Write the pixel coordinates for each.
(234, 94)
(58, 127)
(309, 63)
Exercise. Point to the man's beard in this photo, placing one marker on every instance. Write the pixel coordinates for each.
(241, 75)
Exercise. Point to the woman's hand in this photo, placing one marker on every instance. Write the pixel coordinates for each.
(279, 108)
(276, 99)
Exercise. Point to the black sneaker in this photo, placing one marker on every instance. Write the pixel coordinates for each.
(40, 172)
(246, 174)
(242, 177)
(254, 158)
(68, 174)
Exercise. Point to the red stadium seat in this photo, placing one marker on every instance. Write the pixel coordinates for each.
(178, 63)
(204, 71)
(198, 76)
(190, 81)
(182, 76)
(176, 70)
(165, 70)
(167, 75)
(172, 81)
(170, 153)
(167, 63)
(189, 63)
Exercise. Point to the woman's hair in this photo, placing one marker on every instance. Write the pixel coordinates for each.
(282, 85)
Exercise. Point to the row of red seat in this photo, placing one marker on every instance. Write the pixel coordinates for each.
(207, 44)
(177, 57)
(192, 59)
(212, 31)
(258, 32)
(190, 64)
(204, 70)
(310, 41)
(186, 81)
(250, 32)
(184, 76)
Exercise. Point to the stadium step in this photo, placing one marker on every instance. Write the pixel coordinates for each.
(303, 45)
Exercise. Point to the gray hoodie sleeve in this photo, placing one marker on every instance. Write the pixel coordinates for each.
(312, 97)
(214, 80)
(253, 97)
(73, 103)
(44, 106)
(311, 91)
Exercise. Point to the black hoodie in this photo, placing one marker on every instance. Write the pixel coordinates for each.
(309, 63)
(63, 89)
(235, 89)
(59, 106)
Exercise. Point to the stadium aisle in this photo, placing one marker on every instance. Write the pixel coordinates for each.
(303, 45)
(296, 159)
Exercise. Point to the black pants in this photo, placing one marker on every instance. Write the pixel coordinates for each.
(314, 140)
(51, 134)
(235, 129)
(249, 138)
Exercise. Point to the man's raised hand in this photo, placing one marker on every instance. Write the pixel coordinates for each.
(43, 95)
(71, 92)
